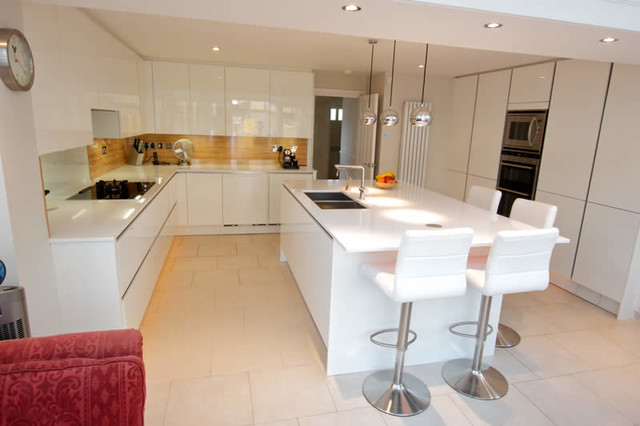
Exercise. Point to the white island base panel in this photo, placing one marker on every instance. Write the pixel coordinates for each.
(347, 308)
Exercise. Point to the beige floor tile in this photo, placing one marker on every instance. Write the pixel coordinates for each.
(625, 334)
(155, 405)
(183, 264)
(528, 321)
(216, 279)
(620, 387)
(239, 297)
(512, 409)
(269, 259)
(197, 240)
(442, 411)
(520, 300)
(255, 248)
(565, 401)
(175, 279)
(183, 251)
(235, 238)
(297, 391)
(554, 295)
(509, 366)
(546, 358)
(288, 422)
(242, 353)
(346, 390)
(263, 276)
(218, 400)
(368, 416)
(237, 262)
(431, 376)
(204, 263)
(592, 348)
(571, 317)
(208, 250)
(266, 238)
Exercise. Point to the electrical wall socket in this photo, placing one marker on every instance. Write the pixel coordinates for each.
(167, 145)
(152, 145)
(159, 145)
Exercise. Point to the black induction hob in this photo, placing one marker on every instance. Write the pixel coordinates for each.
(113, 190)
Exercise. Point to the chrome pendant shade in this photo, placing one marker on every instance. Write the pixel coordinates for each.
(390, 116)
(369, 116)
(421, 115)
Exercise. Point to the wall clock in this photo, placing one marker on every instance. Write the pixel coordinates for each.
(16, 60)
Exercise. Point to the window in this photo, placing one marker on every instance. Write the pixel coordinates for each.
(335, 114)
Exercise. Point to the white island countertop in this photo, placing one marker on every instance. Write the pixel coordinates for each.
(104, 220)
(391, 212)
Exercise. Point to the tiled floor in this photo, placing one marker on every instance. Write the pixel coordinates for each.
(228, 341)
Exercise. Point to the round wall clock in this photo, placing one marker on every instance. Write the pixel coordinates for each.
(16, 60)
(3, 272)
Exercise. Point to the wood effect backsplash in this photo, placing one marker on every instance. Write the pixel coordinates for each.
(208, 150)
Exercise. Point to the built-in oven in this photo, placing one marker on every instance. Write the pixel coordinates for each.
(524, 130)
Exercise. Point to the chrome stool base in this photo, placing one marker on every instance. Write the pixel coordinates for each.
(507, 337)
(409, 398)
(486, 384)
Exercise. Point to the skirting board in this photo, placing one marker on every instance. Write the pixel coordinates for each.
(221, 229)
(584, 293)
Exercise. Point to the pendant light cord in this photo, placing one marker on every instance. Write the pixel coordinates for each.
(424, 72)
(373, 44)
(393, 69)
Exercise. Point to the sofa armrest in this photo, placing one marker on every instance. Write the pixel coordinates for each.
(94, 345)
(73, 391)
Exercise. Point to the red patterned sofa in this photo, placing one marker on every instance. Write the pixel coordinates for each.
(94, 378)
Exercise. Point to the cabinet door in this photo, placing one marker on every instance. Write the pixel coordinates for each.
(532, 83)
(118, 90)
(179, 182)
(145, 88)
(456, 182)
(292, 100)
(245, 198)
(247, 101)
(573, 124)
(461, 124)
(568, 222)
(616, 175)
(204, 198)
(488, 124)
(171, 97)
(275, 191)
(605, 250)
(206, 88)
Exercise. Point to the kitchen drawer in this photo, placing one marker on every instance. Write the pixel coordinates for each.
(134, 243)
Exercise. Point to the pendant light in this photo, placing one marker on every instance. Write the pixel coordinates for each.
(368, 117)
(390, 116)
(421, 116)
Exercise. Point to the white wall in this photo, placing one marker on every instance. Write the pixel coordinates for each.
(21, 197)
(439, 93)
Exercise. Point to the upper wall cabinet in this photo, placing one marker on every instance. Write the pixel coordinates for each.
(464, 102)
(207, 99)
(291, 97)
(616, 175)
(488, 124)
(247, 102)
(171, 97)
(579, 91)
(145, 88)
(531, 85)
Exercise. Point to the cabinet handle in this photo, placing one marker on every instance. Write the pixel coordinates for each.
(517, 166)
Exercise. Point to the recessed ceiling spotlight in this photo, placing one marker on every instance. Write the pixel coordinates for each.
(421, 66)
(351, 8)
(215, 49)
(348, 72)
(492, 25)
(608, 40)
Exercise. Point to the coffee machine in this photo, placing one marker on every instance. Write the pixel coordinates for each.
(287, 156)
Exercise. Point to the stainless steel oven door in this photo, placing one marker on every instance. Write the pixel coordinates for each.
(524, 131)
(517, 179)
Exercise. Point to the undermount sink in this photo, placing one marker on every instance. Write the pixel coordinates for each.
(334, 200)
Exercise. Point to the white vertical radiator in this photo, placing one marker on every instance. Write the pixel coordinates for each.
(413, 149)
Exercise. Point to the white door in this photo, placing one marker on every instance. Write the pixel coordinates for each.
(366, 147)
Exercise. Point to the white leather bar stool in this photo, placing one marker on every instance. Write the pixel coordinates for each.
(485, 198)
(430, 264)
(536, 214)
(518, 262)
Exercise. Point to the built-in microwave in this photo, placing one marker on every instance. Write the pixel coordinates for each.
(524, 130)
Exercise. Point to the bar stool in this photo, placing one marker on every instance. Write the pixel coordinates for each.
(485, 198)
(518, 261)
(536, 214)
(430, 264)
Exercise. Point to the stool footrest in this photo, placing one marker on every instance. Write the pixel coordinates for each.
(461, 334)
(412, 333)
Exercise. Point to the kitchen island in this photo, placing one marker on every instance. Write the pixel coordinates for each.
(325, 248)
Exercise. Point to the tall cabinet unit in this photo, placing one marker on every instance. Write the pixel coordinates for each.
(291, 102)
(171, 97)
(247, 102)
(207, 103)
(531, 87)
(573, 123)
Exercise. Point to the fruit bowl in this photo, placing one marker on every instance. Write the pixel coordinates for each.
(386, 185)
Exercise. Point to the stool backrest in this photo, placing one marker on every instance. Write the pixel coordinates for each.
(519, 261)
(432, 263)
(534, 213)
(485, 198)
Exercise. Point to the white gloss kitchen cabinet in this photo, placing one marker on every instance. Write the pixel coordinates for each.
(531, 87)
(291, 101)
(171, 97)
(247, 101)
(207, 102)
(245, 198)
(204, 198)
(488, 123)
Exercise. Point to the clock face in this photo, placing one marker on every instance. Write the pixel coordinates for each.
(16, 60)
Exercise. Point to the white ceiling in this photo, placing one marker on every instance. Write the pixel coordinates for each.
(180, 39)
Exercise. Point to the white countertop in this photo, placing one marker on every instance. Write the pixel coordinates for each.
(393, 211)
(105, 220)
